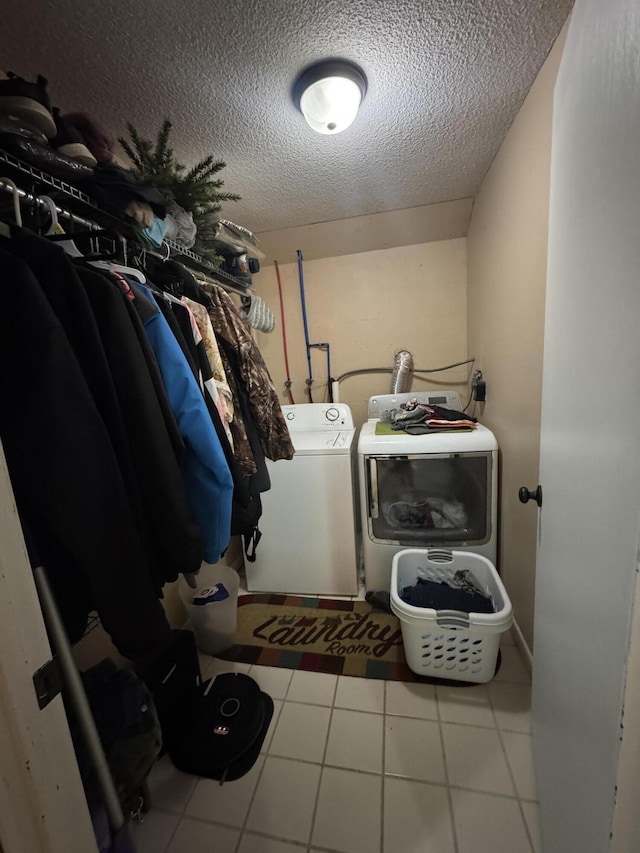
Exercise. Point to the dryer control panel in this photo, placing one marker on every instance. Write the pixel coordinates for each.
(318, 416)
(383, 402)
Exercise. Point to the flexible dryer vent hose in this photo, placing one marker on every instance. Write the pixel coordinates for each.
(402, 372)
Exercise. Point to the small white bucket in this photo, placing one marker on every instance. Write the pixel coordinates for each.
(213, 607)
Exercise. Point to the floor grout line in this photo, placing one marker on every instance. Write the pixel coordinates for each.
(479, 725)
(264, 762)
(452, 818)
(173, 835)
(513, 779)
(322, 766)
(489, 703)
(492, 701)
(302, 845)
(384, 764)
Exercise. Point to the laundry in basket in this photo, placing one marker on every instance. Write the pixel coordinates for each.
(460, 592)
(450, 643)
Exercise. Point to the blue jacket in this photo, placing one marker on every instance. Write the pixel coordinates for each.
(206, 474)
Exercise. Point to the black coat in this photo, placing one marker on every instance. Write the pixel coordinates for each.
(66, 474)
(175, 536)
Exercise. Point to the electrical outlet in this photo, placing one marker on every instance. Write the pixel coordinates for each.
(478, 387)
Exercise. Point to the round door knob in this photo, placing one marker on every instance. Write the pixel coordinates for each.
(526, 495)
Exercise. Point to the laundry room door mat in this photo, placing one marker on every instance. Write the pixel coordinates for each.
(321, 635)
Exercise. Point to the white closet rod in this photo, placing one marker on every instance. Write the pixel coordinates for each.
(78, 220)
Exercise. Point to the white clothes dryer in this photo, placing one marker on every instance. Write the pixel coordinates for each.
(438, 490)
(308, 543)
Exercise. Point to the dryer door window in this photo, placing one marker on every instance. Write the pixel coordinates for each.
(428, 500)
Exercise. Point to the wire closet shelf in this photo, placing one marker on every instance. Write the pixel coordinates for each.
(81, 210)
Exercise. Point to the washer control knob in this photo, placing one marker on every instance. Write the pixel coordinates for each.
(290, 416)
(332, 414)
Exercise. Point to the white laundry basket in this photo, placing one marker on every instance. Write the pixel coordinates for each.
(449, 643)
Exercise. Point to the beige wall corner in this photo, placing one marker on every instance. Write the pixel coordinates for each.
(369, 306)
(425, 224)
(507, 258)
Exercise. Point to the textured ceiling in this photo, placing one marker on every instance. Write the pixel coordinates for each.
(446, 78)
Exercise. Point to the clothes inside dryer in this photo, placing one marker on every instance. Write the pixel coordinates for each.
(445, 496)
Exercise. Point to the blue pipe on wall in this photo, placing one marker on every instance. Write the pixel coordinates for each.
(325, 347)
(304, 322)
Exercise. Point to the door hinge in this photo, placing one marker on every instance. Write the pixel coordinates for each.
(47, 682)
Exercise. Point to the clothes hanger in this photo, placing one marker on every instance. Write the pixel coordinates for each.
(109, 266)
(55, 229)
(5, 229)
(169, 288)
(107, 262)
(132, 272)
(56, 233)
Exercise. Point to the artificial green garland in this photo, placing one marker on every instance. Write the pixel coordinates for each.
(195, 189)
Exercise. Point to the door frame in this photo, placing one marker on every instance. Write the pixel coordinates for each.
(42, 803)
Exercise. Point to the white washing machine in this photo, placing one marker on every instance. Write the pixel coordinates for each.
(438, 490)
(308, 543)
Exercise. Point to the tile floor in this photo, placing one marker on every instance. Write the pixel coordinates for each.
(354, 765)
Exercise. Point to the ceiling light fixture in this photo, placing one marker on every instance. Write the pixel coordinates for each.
(329, 94)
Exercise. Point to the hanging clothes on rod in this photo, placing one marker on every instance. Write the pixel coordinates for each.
(168, 389)
(205, 471)
(176, 280)
(116, 427)
(7, 185)
(96, 456)
(262, 430)
(256, 423)
(66, 475)
(235, 336)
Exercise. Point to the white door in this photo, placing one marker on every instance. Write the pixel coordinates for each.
(42, 804)
(589, 522)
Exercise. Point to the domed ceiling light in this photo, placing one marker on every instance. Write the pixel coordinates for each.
(329, 94)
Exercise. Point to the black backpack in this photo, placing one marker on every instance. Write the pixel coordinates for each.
(213, 729)
(221, 735)
(127, 723)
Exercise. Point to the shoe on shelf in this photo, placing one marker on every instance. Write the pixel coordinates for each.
(28, 102)
(96, 137)
(69, 141)
(17, 127)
